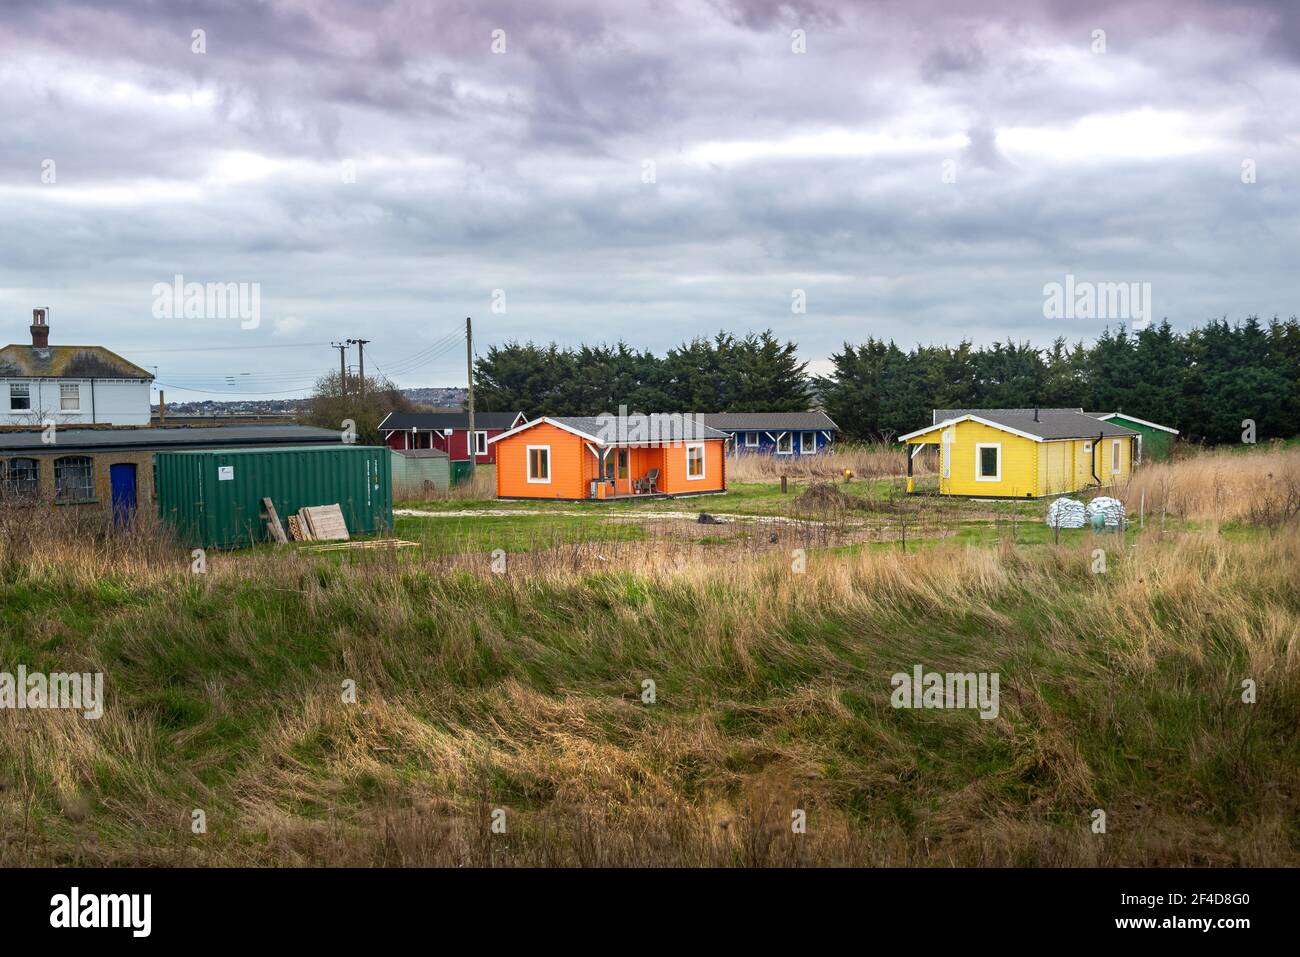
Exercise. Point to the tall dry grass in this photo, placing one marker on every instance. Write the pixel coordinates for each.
(481, 486)
(866, 460)
(522, 692)
(1260, 486)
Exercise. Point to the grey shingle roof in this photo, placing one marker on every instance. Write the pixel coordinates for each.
(769, 421)
(1052, 424)
(146, 438)
(666, 427)
(405, 421)
(943, 415)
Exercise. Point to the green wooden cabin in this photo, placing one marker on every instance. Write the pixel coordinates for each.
(1154, 440)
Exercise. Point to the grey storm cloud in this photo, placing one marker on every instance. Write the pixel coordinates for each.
(648, 171)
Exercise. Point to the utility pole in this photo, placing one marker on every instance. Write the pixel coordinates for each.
(343, 367)
(361, 364)
(469, 365)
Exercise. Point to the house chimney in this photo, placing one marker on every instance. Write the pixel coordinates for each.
(1035, 413)
(40, 330)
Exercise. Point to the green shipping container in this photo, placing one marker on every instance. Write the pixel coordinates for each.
(213, 497)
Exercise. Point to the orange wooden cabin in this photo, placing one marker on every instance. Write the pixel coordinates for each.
(575, 459)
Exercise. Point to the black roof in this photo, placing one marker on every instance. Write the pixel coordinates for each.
(146, 438)
(769, 421)
(405, 421)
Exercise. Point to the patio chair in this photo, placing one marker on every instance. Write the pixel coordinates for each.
(647, 486)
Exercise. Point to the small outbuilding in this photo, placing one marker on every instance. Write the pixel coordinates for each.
(1018, 453)
(416, 471)
(1155, 441)
(449, 432)
(103, 467)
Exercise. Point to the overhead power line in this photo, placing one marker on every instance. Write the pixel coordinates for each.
(267, 345)
(211, 383)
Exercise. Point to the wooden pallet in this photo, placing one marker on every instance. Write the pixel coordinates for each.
(323, 523)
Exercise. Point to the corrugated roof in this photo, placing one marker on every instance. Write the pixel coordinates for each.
(420, 453)
(145, 438)
(769, 421)
(66, 362)
(943, 415)
(405, 421)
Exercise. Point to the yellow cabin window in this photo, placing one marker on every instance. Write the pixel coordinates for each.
(988, 462)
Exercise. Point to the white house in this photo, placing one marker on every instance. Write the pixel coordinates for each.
(69, 385)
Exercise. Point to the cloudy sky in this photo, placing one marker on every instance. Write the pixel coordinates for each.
(649, 171)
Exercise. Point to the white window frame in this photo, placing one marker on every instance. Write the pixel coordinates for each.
(789, 437)
(480, 434)
(1114, 457)
(64, 389)
(979, 455)
(26, 388)
(528, 464)
(751, 440)
(703, 460)
(1087, 446)
(802, 449)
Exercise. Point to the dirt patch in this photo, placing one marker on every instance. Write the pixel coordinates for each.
(825, 497)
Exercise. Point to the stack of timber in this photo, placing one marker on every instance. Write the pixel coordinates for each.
(319, 523)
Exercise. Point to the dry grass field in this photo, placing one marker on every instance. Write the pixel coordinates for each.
(517, 693)
(865, 460)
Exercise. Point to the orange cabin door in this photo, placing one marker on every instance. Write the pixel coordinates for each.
(622, 471)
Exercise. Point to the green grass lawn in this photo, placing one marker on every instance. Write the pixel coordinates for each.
(512, 533)
(749, 498)
(982, 523)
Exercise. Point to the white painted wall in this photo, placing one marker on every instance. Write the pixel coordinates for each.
(103, 401)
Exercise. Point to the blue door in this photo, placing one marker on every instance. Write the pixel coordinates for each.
(122, 479)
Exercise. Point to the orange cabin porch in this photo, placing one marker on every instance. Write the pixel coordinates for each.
(546, 459)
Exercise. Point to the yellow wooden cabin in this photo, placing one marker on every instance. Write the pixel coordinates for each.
(1025, 453)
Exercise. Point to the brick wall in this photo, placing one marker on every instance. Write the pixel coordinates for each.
(101, 463)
